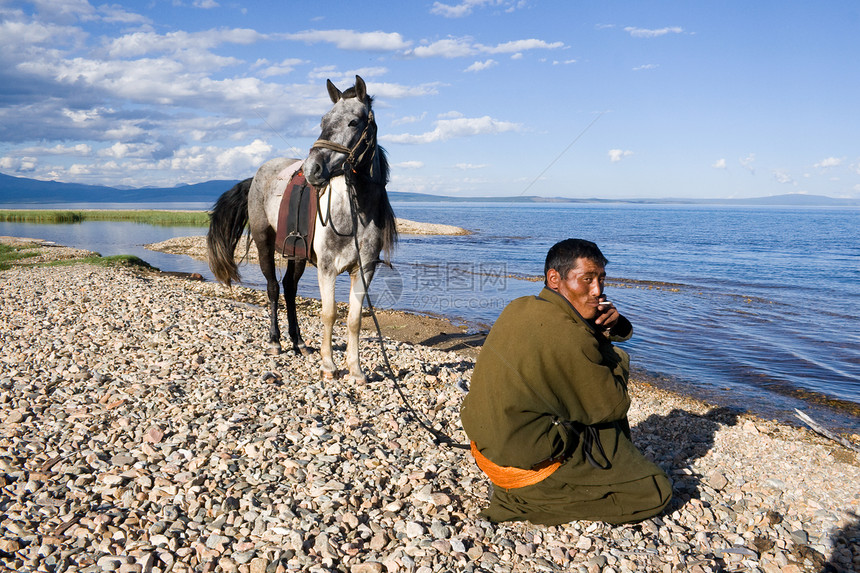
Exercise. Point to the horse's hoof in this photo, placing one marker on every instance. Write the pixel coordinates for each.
(274, 349)
(358, 380)
(303, 350)
(329, 375)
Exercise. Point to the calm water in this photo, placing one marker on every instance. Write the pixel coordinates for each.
(756, 306)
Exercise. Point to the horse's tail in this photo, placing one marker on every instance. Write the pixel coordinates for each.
(227, 221)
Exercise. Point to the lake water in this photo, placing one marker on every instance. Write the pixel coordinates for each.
(756, 307)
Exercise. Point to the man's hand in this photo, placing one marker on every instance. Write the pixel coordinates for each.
(608, 315)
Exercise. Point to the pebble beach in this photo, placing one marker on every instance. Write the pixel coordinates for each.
(143, 428)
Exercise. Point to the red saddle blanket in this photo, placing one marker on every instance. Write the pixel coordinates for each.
(294, 238)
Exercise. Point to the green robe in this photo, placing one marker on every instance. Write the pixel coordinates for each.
(542, 370)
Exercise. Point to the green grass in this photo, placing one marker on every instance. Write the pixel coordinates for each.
(9, 253)
(112, 261)
(149, 217)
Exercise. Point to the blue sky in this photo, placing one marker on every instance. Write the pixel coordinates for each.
(475, 97)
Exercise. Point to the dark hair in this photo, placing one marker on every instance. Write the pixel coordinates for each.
(562, 256)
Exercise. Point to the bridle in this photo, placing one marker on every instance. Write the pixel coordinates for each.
(362, 153)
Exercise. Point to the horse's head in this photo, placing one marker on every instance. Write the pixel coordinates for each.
(348, 135)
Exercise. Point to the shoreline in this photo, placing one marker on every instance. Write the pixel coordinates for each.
(451, 333)
(454, 335)
(185, 447)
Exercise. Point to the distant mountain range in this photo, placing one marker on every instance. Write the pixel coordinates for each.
(23, 190)
(16, 190)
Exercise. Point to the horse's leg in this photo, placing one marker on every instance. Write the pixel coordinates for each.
(265, 242)
(353, 323)
(295, 269)
(328, 314)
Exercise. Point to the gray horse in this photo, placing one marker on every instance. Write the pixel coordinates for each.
(355, 222)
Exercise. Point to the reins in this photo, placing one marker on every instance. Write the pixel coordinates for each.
(356, 158)
(439, 437)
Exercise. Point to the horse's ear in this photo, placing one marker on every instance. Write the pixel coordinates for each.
(360, 88)
(333, 92)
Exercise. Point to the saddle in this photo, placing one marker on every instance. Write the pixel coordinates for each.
(294, 238)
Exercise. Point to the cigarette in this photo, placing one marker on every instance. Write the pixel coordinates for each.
(604, 302)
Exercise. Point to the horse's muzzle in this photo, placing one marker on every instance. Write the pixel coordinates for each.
(316, 172)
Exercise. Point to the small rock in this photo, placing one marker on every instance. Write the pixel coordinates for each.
(9, 545)
(414, 529)
(154, 435)
(378, 542)
(717, 481)
(367, 567)
(800, 537)
(258, 565)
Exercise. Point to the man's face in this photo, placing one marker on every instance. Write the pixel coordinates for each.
(582, 287)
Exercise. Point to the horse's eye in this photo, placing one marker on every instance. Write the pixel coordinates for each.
(353, 123)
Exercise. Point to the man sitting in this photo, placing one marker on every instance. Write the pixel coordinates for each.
(547, 406)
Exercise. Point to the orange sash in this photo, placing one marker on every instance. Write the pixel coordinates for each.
(508, 477)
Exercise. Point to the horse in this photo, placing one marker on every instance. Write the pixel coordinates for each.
(354, 224)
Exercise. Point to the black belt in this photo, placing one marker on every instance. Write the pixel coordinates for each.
(590, 437)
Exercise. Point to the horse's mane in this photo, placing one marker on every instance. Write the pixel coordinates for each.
(389, 221)
(350, 92)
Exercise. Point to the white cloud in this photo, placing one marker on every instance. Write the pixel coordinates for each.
(470, 166)
(783, 177)
(563, 62)
(207, 4)
(65, 10)
(19, 164)
(646, 67)
(118, 15)
(282, 68)
(248, 156)
(78, 169)
(480, 66)
(465, 46)
(719, 164)
(33, 41)
(352, 40)
(82, 115)
(829, 162)
(409, 119)
(125, 150)
(410, 165)
(186, 46)
(466, 7)
(397, 91)
(520, 45)
(747, 162)
(646, 33)
(124, 131)
(616, 155)
(448, 48)
(455, 128)
(59, 149)
(241, 159)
